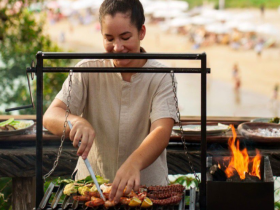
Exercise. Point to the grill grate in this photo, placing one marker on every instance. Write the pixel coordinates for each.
(55, 192)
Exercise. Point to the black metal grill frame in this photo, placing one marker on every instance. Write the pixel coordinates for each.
(39, 69)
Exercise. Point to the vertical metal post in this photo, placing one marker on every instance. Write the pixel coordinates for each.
(203, 134)
(39, 129)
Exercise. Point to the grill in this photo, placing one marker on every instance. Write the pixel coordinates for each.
(221, 195)
(39, 69)
(241, 195)
(52, 200)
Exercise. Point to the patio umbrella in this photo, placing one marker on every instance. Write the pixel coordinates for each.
(166, 13)
(217, 28)
(52, 5)
(82, 4)
(178, 5)
(180, 21)
(247, 27)
(232, 24)
(223, 15)
(243, 16)
(268, 29)
(216, 14)
(200, 20)
(157, 6)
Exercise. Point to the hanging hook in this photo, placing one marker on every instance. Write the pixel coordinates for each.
(29, 88)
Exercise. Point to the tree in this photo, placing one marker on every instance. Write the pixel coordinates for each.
(21, 37)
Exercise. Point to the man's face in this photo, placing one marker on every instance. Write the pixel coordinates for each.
(121, 36)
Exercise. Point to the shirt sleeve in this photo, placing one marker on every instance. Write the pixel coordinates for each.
(78, 93)
(163, 105)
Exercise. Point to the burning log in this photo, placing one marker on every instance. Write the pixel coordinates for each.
(251, 178)
(234, 177)
(217, 173)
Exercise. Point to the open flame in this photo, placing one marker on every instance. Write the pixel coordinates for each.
(240, 160)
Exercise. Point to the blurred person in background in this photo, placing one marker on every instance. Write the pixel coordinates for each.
(237, 82)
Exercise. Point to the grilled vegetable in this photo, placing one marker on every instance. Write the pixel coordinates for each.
(83, 189)
(70, 189)
(93, 189)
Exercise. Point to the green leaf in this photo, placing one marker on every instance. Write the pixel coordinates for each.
(6, 122)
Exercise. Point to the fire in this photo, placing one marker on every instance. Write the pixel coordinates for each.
(240, 161)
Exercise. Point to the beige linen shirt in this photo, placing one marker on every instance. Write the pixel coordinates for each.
(121, 114)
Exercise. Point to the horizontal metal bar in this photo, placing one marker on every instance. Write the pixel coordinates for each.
(117, 70)
(63, 55)
(19, 107)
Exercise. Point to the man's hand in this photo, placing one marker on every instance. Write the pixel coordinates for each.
(84, 132)
(127, 178)
(128, 175)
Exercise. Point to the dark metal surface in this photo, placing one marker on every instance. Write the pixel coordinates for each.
(47, 196)
(202, 189)
(39, 130)
(57, 196)
(167, 56)
(117, 70)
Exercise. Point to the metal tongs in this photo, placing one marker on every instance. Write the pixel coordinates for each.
(90, 170)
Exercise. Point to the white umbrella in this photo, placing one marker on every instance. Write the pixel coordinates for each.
(216, 14)
(153, 6)
(208, 13)
(247, 27)
(243, 16)
(82, 4)
(177, 5)
(52, 5)
(166, 13)
(268, 29)
(200, 20)
(64, 3)
(217, 28)
(179, 22)
(232, 24)
(223, 15)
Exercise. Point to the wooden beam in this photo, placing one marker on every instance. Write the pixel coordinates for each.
(18, 117)
(23, 193)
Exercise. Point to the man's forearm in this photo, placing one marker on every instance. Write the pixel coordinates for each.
(54, 119)
(151, 148)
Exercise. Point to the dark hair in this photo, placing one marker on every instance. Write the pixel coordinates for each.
(133, 7)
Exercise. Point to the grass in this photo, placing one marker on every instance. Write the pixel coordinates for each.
(272, 4)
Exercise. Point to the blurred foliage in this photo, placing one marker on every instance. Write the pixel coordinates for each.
(21, 37)
(276, 194)
(5, 193)
(186, 181)
(237, 3)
